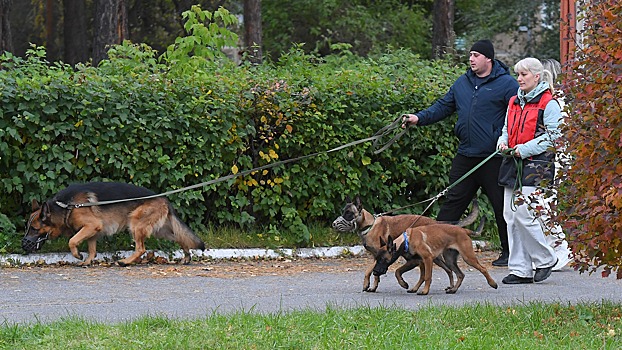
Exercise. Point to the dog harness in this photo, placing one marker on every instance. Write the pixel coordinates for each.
(405, 241)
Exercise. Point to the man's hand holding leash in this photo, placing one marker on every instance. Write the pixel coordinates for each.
(408, 120)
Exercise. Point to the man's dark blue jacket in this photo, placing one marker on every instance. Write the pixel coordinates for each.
(481, 109)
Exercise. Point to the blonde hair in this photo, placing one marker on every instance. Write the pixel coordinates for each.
(552, 66)
(535, 67)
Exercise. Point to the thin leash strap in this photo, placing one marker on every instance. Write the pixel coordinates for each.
(214, 181)
(444, 192)
(518, 183)
(385, 131)
(376, 138)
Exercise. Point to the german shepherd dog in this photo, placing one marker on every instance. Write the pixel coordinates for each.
(63, 215)
(427, 243)
(371, 229)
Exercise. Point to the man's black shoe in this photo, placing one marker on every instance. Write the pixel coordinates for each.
(513, 279)
(502, 260)
(543, 273)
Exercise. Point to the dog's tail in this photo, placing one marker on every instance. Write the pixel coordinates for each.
(472, 215)
(480, 228)
(177, 231)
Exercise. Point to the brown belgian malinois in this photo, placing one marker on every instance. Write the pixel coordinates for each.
(426, 243)
(371, 229)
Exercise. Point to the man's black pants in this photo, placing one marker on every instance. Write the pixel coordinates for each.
(459, 197)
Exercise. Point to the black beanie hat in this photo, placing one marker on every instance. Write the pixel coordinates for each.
(485, 48)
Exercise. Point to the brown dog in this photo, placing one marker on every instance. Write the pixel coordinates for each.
(428, 242)
(60, 216)
(371, 229)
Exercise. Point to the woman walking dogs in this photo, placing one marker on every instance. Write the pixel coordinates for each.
(531, 126)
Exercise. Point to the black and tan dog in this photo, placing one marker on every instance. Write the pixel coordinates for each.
(371, 228)
(427, 243)
(143, 218)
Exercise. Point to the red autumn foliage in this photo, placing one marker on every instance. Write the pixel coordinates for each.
(590, 183)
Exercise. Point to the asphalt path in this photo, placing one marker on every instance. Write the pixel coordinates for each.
(114, 294)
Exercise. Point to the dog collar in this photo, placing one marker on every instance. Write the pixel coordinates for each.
(405, 241)
(365, 230)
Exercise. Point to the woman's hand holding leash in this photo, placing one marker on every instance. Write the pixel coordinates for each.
(505, 150)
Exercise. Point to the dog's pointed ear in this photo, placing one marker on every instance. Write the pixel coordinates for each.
(34, 205)
(45, 211)
(357, 202)
(348, 200)
(391, 247)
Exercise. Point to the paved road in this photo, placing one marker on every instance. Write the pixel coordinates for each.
(114, 294)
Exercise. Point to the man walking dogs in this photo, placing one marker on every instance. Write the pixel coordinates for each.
(480, 97)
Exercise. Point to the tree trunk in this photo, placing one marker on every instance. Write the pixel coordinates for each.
(122, 26)
(252, 30)
(110, 27)
(442, 28)
(6, 39)
(76, 40)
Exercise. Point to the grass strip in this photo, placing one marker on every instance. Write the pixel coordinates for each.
(530, 326)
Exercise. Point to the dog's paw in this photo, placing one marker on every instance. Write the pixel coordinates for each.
(450, 291)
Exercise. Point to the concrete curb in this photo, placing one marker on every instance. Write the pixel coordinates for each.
(207, 254)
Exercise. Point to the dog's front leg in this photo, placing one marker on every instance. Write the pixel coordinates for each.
(427, 261)
(415, 288)
(86, 232)
(92, 246)
(407, 266)
(366, 279)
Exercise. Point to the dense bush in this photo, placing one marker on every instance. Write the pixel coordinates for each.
(591, 191)
(166, 125)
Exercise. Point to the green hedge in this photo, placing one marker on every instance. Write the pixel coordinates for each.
(139, 120)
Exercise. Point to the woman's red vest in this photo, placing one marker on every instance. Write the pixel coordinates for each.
(525, 124)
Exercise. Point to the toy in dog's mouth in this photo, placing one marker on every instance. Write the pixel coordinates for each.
(31, 244)
(342, 225)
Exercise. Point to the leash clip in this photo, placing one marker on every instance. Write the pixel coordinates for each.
(441, 194)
